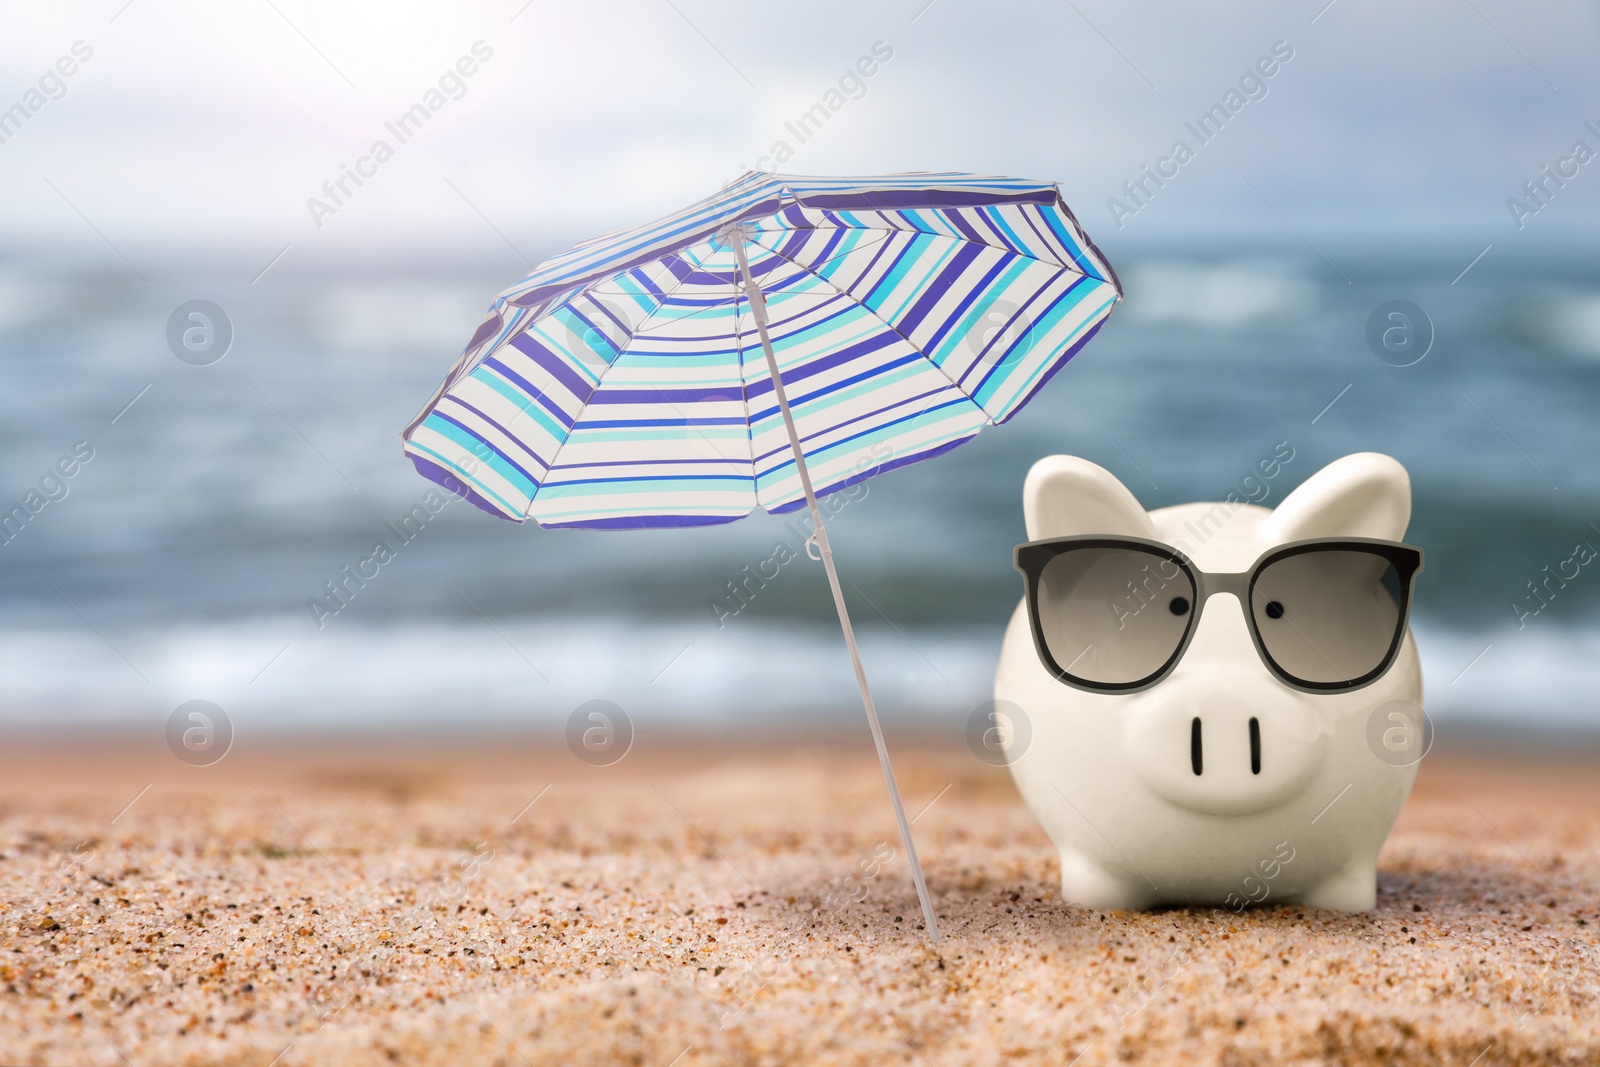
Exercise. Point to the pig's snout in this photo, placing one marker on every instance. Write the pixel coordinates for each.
(1227, 752)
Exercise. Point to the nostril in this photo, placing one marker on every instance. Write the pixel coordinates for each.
(1255, 746)
(1195, 754)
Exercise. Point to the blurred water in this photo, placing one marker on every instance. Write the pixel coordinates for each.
(180, 561)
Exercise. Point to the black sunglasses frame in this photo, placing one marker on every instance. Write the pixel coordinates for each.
(1032, 558)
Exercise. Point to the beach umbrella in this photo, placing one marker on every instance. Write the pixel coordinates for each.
(773, 343)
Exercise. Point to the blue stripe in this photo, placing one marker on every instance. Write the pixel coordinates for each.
(1002, 227)
(465, 478)
(1077, 346)
(889, 465)
(799, 400)
(584, 486)
(963, 257)
(976, 306)
(644, 522)
(498, 461)
(1042, 325)
(488, 421)
(917, 417)
(530, 401)
(445, 476)
(897, 273)
(1071, 244)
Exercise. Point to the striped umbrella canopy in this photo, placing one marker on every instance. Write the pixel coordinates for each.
(622, 383)
(784, 333)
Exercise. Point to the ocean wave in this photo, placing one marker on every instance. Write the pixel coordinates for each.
(1220, 296)
(1539, 679)
(1565, 319)
(383, 316)
(274, 676)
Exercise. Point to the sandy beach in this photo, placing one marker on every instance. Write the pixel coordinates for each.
(702, 904)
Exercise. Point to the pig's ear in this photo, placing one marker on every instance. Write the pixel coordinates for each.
(1065, 495)
(1363, 495)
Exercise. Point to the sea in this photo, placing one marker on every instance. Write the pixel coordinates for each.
(183, 558)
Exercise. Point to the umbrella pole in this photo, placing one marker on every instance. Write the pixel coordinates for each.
(758, 306)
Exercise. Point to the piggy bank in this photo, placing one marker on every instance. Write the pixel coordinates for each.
(1224, 699)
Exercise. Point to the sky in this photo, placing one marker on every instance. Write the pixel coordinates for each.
(196, 129)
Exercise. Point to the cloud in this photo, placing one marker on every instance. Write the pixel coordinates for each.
(213, 123)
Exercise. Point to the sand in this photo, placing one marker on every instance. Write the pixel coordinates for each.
(698, 904)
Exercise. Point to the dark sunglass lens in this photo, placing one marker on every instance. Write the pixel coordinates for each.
(1328, 616)
(1113, 616)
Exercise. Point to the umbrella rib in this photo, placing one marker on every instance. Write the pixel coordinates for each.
(599, 378)
(1074, 267)
(787, 198)
(741, 309)
(895, 330)
(472, 356)
(621, 351)
(886, 324)
(744, 397)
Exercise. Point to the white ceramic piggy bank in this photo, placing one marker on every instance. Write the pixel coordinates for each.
(1212, 739)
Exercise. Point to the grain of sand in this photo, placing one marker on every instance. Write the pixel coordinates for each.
(693, 905)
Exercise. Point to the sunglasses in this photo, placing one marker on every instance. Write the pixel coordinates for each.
(1115, 614)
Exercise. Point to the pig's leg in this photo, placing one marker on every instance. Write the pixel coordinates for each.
(1353, 888)
(1083, 881)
